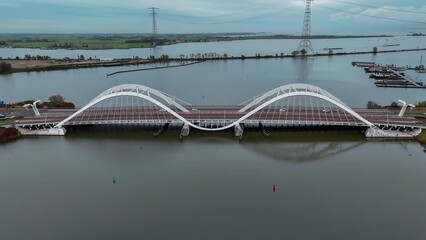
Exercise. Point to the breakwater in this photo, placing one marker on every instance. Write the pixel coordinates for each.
(132, 61)
(8, 134)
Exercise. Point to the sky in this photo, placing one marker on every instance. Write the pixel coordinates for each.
(212, 16)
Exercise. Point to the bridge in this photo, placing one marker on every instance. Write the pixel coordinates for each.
(289, 105)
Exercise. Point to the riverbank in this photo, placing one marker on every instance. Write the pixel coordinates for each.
(128, 41)
(39, 66)
(9, 134)
(59, 64)
(422, 137)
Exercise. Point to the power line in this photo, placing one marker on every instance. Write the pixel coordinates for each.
(234, 17)
(154, 14)
(212, 20)
(372, 16)
(384, 8)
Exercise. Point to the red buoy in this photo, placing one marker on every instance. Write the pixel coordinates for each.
(274, 187)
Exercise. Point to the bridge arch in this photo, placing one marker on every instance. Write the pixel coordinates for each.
(133, 90)
(167, 102)
(297, 90)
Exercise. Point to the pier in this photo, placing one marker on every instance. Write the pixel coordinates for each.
(389, 75)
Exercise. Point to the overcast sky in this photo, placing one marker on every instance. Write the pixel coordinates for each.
(199, 16)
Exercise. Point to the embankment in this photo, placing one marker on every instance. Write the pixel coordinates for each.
(8, 134)
(184, 61)
(422, 137)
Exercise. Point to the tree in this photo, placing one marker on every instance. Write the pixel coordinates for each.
(394, 105)
(372, 105)
(57, 99)
(421, 104)
(164, 57)
(5, 67)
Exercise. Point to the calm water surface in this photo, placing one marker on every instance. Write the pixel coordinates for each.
(232, 48)
(222, 82)
(330, 186)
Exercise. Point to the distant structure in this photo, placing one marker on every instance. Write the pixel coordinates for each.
(154, 14)
(305, 44)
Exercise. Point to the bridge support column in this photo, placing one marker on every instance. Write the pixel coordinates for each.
(161, 130)
(185, 130)
(375, 132)
(238, 131)
(43, 132)
(264, 132)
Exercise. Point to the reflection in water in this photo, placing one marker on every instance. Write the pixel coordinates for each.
(156, 51)
(303, 152)
(283, 146)
(305, 146)
(304, 67)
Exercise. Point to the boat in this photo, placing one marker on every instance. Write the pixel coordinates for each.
(391, 45)
(386, 76)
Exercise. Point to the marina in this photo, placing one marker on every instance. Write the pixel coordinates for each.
(391, 75)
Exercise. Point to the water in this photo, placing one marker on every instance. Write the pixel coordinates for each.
(222, 82)
(330, 185)
(233, 48)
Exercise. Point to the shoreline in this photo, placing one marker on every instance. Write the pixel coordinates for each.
(9, 134)
(422, 137)
(131, 62)
(90, 42)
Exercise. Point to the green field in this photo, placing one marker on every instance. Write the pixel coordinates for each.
(126, 41)
(95, 41)
(69, 41)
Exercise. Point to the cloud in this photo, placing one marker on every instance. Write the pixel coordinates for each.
(8, 4)
(284, 16)
(393, 12)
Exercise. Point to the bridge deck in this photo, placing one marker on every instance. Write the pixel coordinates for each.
(219, 115)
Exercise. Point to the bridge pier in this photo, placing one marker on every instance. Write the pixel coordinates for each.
(185, 131)
(161, 130)
(264, 132)
(42, 132)
(238, 131)
(375, 132)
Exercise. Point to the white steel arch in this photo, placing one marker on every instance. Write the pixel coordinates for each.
(143, 90)
(260, 102)
(297, 89)
(290, 88)
(134, 90)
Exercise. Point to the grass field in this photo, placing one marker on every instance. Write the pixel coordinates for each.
(95, 41)
(69, 41)
(126, 41)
